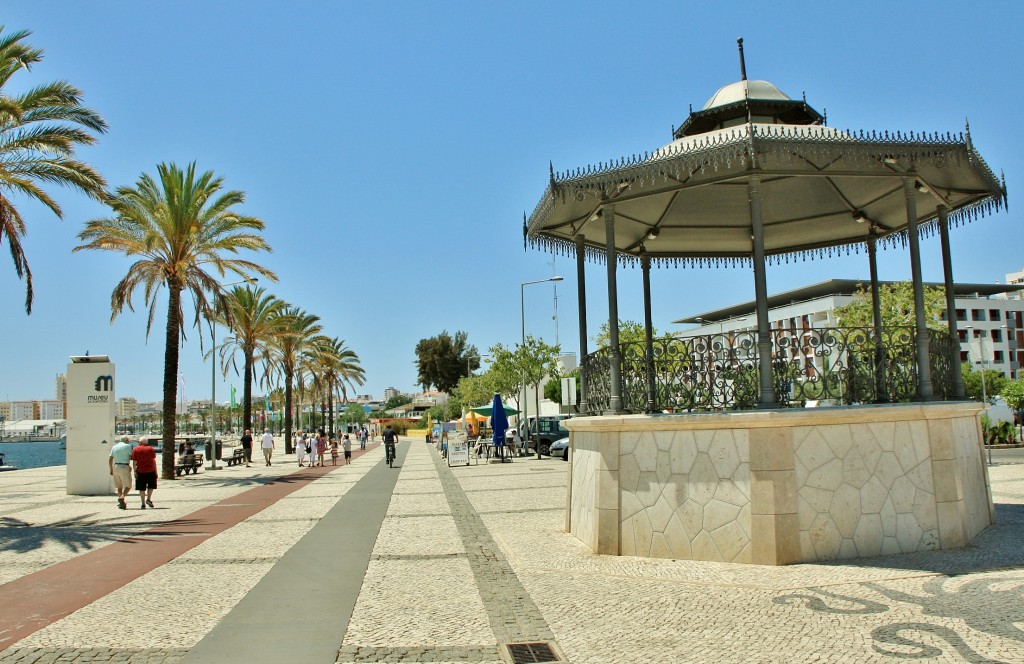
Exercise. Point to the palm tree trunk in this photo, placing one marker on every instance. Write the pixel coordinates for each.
(170, 380)
(330, 411)
(247, 389)
(288, 412)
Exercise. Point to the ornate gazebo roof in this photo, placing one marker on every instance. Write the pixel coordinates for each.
(822, 188)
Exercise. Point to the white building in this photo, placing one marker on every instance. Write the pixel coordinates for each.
(23, 410)
(127, 407)
(51, 410)
(992, 314)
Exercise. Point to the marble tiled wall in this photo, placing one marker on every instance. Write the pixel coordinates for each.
(779, 487)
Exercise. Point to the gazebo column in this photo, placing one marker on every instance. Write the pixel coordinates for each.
(881, 391)
(614, 353)
(581, 304)
(764, 339)
(925, 391)
(947, 273)
(645, 267)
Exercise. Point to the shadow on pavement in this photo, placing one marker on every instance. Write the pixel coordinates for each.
(77, 534)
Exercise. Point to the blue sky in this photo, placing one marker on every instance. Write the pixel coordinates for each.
(393, 147)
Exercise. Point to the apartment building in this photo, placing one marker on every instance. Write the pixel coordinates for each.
(990, 317)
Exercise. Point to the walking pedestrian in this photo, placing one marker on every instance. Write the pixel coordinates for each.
(311, 449)
(144, 458)
(346, 445)
(267, 443)
(334, 450)
(321, 447)
(300, 448)
(120, 469)
(363, 435)
(247, 447)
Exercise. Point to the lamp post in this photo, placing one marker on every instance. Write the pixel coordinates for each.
(522, 320)
(213, 375)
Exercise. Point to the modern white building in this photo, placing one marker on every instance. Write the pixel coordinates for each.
(990, 314)
(127, 407)
(51, 410)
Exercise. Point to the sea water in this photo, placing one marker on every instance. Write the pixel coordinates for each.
(34, 455)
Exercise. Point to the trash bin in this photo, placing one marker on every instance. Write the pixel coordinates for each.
(208, 448)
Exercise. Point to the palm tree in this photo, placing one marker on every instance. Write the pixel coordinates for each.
(294, 335)
(39, 131)
(338, 367)
(178, 226)
(249, 312)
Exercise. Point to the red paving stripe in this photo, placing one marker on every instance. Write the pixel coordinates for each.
(42, 598)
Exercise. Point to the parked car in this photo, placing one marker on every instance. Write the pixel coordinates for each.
(560, 448)
(551, 429)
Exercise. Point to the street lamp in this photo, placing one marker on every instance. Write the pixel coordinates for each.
(522, 320)
(213, 375)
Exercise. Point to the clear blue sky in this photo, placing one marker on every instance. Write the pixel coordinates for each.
(393, 147)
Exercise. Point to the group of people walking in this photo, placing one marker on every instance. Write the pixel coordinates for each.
(315, 446)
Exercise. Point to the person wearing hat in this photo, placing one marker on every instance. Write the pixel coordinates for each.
(120, 469)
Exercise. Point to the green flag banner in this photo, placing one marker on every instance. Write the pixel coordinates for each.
(233, 404)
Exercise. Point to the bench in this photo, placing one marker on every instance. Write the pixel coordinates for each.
(188, 463)
(237, 457)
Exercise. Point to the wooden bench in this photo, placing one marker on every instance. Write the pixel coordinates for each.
(188, 463)
(237, 457)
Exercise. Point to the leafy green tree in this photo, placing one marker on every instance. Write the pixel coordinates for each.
(629, 332)
(396, 401)
(475, 390)
(897, 307)
(185, 234)
(532, 362)
(442, 360)
(39, 131)
(995, 381)
(553, 388)
(1013, 394)
(354, 413)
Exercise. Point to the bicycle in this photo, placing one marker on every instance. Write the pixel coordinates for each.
(389, 453)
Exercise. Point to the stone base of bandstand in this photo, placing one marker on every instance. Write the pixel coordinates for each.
(776, 487)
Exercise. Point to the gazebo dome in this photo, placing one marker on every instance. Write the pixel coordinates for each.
(742, 90)
(745, 102)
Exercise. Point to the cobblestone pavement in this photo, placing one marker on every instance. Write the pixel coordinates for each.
(471, 558)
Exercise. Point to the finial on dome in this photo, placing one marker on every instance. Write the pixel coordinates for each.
(743, 64)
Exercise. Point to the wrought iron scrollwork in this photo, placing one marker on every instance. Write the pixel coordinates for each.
(721, 371)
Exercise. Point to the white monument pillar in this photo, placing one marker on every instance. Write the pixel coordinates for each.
(90, 425)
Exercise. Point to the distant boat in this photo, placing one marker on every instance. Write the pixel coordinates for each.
(3, 464)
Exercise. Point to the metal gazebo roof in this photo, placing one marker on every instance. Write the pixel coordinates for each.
(821, 188)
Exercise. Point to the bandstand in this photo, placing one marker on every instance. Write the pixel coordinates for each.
(698, 447)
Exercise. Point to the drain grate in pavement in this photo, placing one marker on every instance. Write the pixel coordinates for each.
(526, 653)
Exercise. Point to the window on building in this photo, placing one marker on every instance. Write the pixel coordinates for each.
(994, 314)
(961, 335)
(997, 357)
(963, 356)
(961, 314)
(977, 314)
(997, 335)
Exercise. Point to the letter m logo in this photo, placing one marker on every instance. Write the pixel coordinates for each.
(104, 383)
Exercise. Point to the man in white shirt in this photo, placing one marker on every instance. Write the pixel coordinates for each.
(267, 442)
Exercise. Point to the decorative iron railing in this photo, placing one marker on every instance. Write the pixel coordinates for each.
(721, 371)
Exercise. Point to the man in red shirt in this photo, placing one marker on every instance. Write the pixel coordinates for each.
(144, 458)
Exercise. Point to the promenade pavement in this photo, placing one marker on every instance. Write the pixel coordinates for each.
(425, 563)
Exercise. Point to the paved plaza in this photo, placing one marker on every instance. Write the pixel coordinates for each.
(425, 563)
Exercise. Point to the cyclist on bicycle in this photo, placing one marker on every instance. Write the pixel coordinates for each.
(390, 438)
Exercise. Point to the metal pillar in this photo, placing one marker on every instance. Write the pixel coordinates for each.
(645, 267)
(614, 354)
(764, 340)
(947, 273)
(581, 305)
(925, 391)
(881, 391)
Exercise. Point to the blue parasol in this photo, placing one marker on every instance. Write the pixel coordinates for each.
(499, 421)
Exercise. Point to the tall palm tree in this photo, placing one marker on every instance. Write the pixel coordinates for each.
(338, 368)
(178, 226)
(39, 131)
(295, 331)
(249, 312)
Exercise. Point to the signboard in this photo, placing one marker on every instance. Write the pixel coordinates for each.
(90, 424)
(569, 391)
(458, 452)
